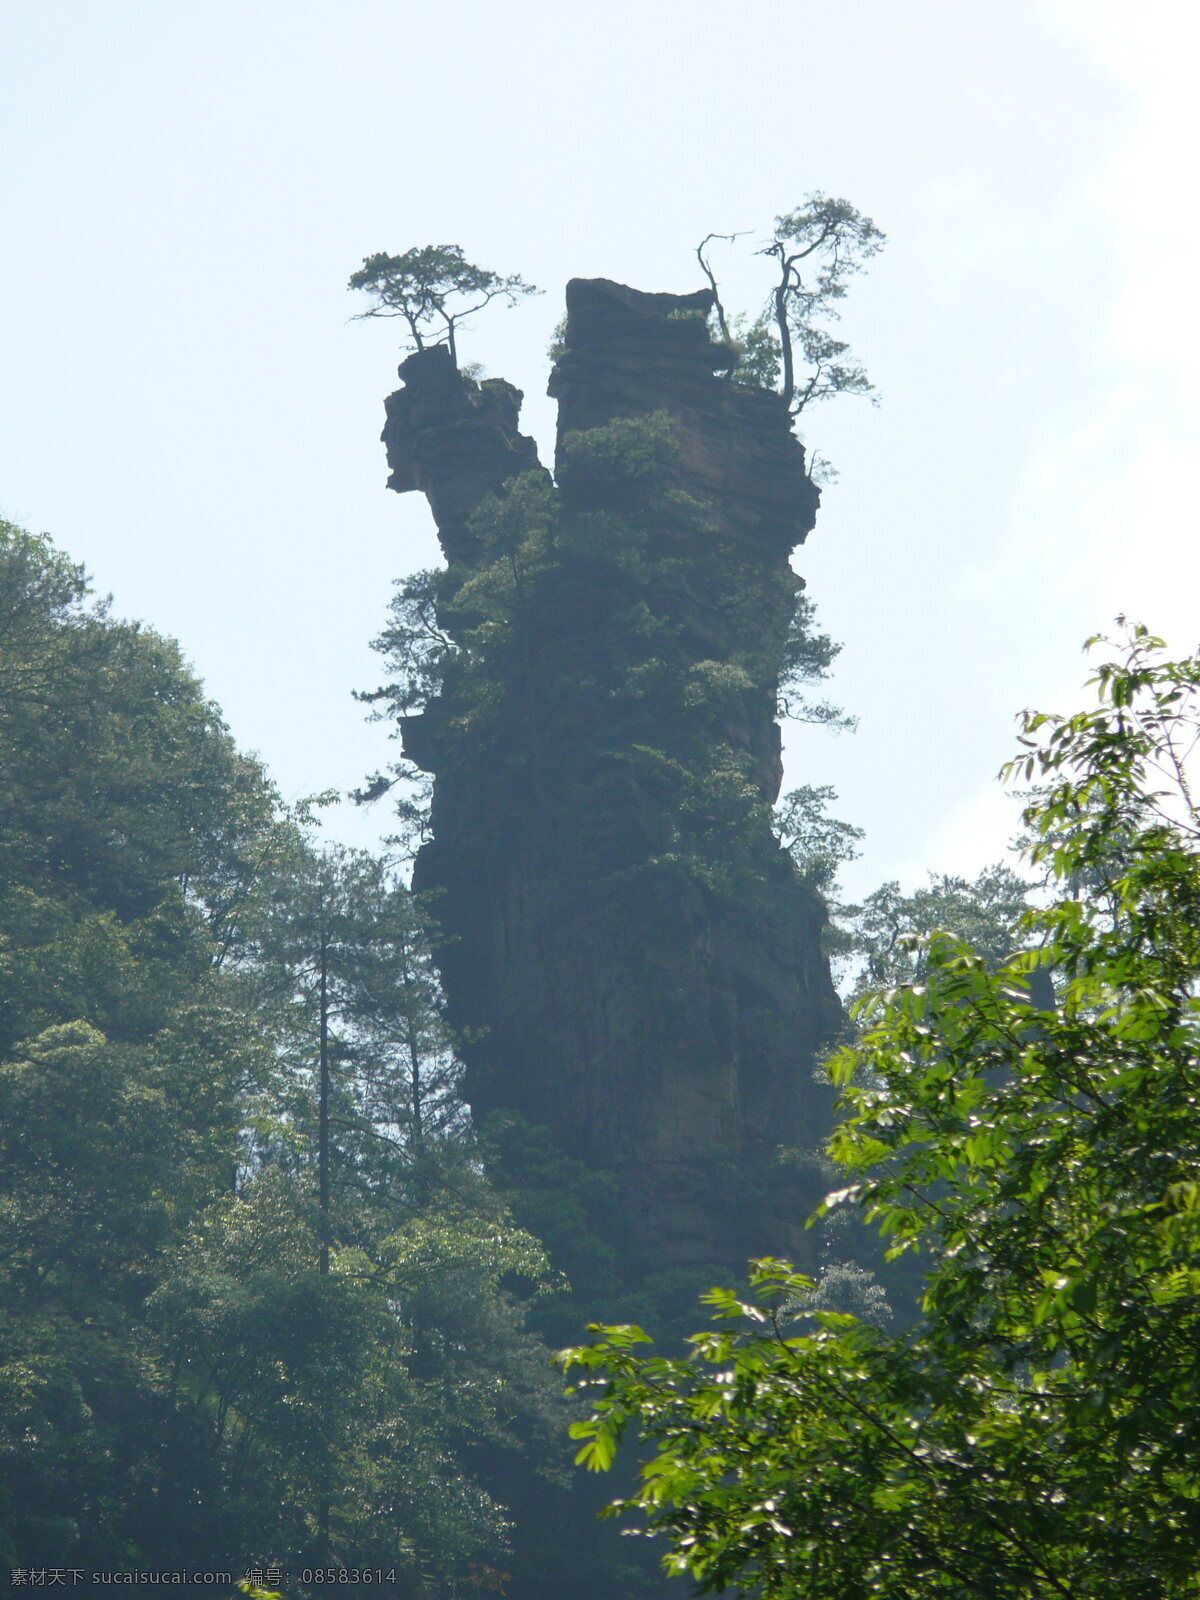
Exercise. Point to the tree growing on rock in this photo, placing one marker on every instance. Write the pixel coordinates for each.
(434, 289)
(817, 249)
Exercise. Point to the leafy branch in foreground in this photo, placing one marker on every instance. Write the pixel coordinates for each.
(1037, 1433)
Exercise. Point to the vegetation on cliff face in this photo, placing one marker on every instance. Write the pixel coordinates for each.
(1035, 1433)
(593, 682)
(576, 639)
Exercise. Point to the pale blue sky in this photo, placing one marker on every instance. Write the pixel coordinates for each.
(188, 410)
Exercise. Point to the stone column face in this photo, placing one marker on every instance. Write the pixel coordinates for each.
(663, 1026)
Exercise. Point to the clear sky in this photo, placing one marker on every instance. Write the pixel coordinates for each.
(188, 409)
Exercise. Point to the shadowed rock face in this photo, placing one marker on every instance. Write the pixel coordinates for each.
(454, 440)
(662, 1030)
(629, 353)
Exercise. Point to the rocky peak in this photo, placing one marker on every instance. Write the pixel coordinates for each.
(662, 1028)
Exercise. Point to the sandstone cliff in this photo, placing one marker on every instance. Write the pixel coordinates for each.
(627, 951)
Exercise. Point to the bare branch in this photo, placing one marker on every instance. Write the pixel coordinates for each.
(708, 273)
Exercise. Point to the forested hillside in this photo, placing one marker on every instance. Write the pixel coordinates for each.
(259, 1303)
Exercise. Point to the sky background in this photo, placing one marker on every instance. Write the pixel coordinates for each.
(188, 409)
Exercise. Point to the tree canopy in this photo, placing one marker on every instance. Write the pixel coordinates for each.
(256, 1295)
(433, 289)
(817, 249)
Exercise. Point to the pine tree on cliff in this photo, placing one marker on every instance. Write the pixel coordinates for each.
(434, 290)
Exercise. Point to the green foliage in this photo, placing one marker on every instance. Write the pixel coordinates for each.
(1035, 1433)
(434, 289)
(130, 824)
(634, 619)
(759, 356)
(128, 817)
(835, 241)
(418, 648)
(885, 931)
(333, 938)
(202, 1346)
(375, 1383)
(407, 1354)
(818, 843)
(818, 248)
(806, 659)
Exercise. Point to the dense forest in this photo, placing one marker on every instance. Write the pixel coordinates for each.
(313, 1158)
(258, 1292)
